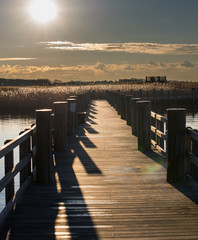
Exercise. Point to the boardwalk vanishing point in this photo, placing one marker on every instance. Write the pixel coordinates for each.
(104, 188)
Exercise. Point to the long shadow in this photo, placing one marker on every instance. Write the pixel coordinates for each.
(92, 104)
(59, 209)
(79, 219)
(91, 121)
(89, 129)
(91, 116)
(189, 187)
(93, 111)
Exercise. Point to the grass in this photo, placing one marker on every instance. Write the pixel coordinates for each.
(28, 99)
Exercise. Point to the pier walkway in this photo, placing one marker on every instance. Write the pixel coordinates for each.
(104, 188)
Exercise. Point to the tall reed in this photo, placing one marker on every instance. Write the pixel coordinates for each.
(28, 99)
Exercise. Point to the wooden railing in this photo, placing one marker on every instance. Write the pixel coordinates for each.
(35, 147)
(25, 167)
(166, 134)
(191, 165)
(158, 135)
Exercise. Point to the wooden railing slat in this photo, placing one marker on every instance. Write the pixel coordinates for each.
(12, 202)
(15, 142)
(193, 134)
(9, 176)
(192, 158)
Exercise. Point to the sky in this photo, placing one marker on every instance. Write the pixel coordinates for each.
(91, 40)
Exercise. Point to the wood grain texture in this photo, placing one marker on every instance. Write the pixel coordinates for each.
(104, 188)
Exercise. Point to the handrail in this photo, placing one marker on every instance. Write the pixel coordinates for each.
(159, 117)
(160, 136)
(35, 148)
(191, 151)
(12, 173)
(16, 142)
(167, 135)
(192, 134)
(28, 149)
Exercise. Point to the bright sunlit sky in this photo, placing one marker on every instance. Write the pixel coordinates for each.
(98, 39)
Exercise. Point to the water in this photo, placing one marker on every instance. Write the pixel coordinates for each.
(10, 127)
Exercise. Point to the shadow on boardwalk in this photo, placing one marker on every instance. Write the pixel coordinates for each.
(58, 210)
(104, 188)
(189, 188)
(78, 216)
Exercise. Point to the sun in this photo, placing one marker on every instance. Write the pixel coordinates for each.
(42, 10)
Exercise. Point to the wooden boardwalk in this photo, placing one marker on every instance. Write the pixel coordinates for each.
(104, 188)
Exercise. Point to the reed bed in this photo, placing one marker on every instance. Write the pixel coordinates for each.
(28, 99)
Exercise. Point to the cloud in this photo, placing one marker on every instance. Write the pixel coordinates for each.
(187, 64)
(16, 59)
(130, 47)
(100, 71)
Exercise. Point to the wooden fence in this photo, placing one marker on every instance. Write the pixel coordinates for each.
(27, 149)
(178, 144)
(159, 134)
(36, 145)
(192, 153)
(175, 94)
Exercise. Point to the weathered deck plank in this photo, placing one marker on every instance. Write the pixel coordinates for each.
(104, 188)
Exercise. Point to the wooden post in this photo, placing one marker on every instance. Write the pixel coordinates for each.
(160, 126)
(134, 115)
(76, 109)
(188, 147)
(123, 107)
(9, 164)
(128, 109)
(140, 93)
(154, 94)
(144, 125)
(175, 95)
(168, 94)
(194, 168)
(193, 94)
(117, 101)
(162, 94)
(43, 145)
(60, 126)
(33, 144)
(176, 144)
(71, 110)
(24, 149)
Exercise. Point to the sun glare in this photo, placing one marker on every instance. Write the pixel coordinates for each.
(43, 10)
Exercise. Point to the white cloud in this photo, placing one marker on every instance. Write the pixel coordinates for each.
(100, 71)
(130, 47)
(16, 59)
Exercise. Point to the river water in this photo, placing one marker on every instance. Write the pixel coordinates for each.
(11, 126)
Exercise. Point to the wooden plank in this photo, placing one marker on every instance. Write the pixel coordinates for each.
(13, 201)
(159, 133)
(192, 133)
(9, 163)
(158, 117)
(193, 158)
(15, 142)
(104, 188)
(11, 174)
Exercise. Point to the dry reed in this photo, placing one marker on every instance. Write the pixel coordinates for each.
(28, 99)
